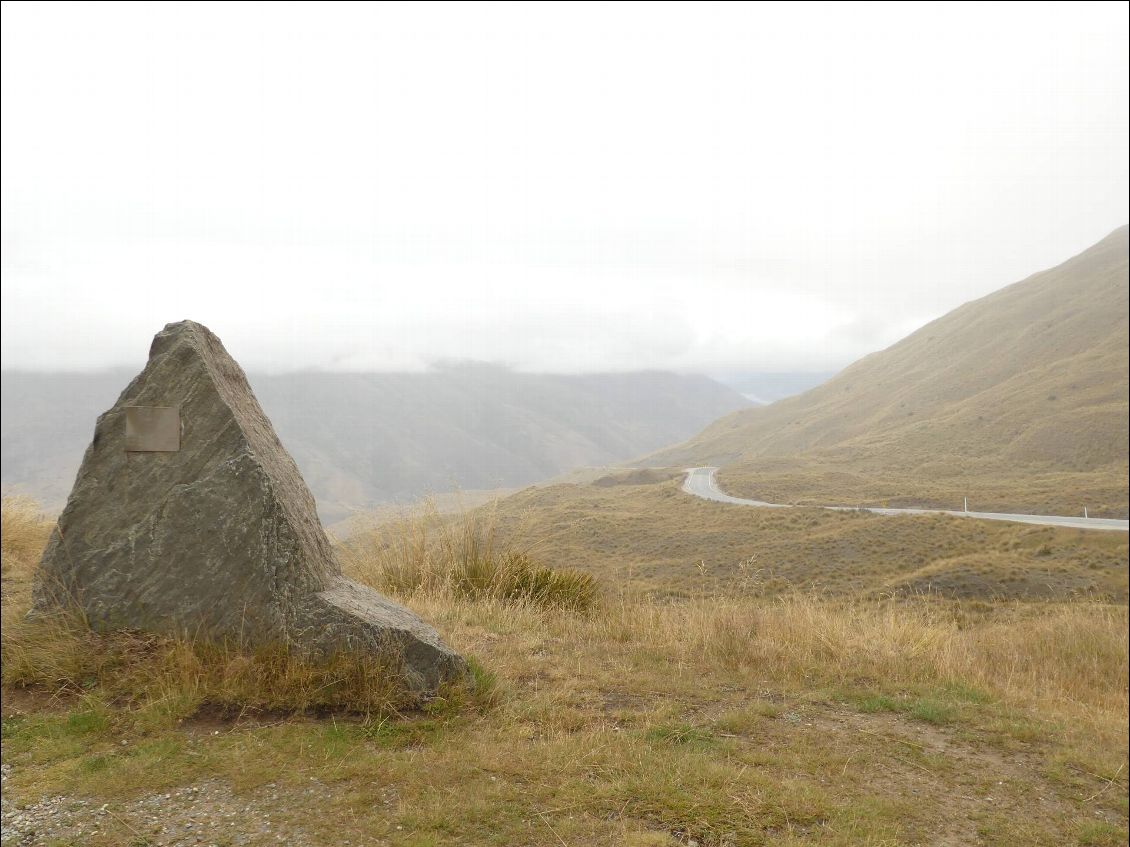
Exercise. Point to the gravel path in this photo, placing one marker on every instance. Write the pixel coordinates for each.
(208, 813)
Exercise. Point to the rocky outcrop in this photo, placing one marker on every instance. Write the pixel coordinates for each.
(188, 517)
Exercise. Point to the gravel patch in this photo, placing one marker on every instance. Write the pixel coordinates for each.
(207, 814)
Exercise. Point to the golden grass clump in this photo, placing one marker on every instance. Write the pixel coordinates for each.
(24, 531)
(59, 655)
(426, 553)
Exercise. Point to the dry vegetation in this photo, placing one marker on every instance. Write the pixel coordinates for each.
(991, 486)
(656, 538)
(718, 718)
(429, 553)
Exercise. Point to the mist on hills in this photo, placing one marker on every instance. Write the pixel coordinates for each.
(765, 388)
(362, 439)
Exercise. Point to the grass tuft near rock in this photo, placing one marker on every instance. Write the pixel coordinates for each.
(427, 554)
(172, 678)
(24, 531)
(177, 678)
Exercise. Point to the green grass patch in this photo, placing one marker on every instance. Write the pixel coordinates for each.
(879, 703)
(1101, 834)
(87, 722)
(96, 764)
(936, 706)
(932, 711)
(962, 693)
(682, 734)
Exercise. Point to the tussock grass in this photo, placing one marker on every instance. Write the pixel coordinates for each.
(424, 553)
(1068, 660)
(657, 538)
(24, 531)
(795, 718)
(171, 679)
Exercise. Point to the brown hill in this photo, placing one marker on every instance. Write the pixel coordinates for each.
(1017, 400)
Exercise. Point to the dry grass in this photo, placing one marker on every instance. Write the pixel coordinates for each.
(162, 676)
(169, 680)
(24, 531)
(935, 482)
(730, 720)
(656, 538)
(1064, 660)
(429, 553)
(1045, 654)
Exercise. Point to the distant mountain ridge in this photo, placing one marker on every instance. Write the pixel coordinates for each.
(366, 438)
(1018, 400)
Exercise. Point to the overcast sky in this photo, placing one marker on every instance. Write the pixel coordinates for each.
(700, 187)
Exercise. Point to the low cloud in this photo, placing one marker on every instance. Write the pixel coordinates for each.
(751, 189)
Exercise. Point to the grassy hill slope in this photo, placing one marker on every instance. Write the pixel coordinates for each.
(1017, 400)
(650, 536)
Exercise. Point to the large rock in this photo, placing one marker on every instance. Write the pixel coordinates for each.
(188, 517)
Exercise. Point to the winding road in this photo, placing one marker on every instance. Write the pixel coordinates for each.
(701, 483)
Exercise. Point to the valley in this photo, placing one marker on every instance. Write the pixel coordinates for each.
(1017, 401)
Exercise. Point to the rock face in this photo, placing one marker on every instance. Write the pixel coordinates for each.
(188, 517)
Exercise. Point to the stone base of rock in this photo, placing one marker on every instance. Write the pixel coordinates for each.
(354, 618)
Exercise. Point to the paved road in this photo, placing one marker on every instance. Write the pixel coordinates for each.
(701, 483)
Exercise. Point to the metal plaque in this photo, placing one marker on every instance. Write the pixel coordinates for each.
(152, 429)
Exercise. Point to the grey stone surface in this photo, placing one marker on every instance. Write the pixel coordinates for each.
(219, 538)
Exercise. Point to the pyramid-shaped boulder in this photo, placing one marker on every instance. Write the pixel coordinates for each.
(188, 517)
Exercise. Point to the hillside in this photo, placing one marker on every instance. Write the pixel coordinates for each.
(648, 535)
(1017, 400)
(367, 438)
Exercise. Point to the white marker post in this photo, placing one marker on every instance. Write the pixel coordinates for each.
(966, 504)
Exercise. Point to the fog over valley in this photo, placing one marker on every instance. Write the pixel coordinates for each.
(699, 189)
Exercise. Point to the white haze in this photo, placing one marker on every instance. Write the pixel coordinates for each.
(557, 187)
